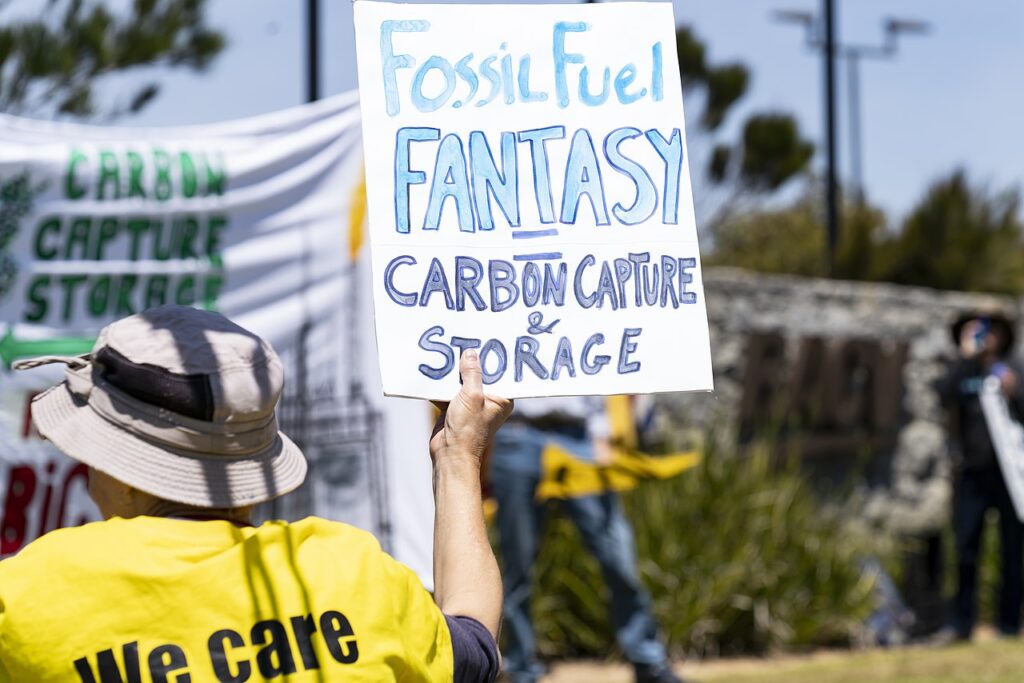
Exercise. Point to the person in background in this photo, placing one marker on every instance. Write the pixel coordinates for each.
(174, 412)
(984, 341)
(580, 426)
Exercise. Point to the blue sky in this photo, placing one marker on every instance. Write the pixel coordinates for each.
(950, 98)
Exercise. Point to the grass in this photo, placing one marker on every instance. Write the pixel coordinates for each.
(993, 662)
(987, 662)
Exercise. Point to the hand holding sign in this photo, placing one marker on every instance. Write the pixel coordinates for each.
(467, 424)
(529, 199)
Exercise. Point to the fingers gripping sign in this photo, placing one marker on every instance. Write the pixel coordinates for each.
(468, 421)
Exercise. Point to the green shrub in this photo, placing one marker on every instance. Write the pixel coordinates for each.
(739, 557)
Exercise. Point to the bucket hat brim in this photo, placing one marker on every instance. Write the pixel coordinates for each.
(209, 481)
(997, 320)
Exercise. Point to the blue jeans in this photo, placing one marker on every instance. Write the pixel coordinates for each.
(606, 533)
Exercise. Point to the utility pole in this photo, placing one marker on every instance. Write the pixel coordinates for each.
(853, 104)
(821, 35)
(831, 179)
(312, 50)
(303, 426)
(853, 54)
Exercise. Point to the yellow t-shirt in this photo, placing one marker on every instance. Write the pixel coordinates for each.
(180, 601)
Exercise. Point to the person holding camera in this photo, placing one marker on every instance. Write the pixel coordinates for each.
(984, 341)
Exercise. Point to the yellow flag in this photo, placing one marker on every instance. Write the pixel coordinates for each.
(620, 416)
(357, 218)
(563, 475)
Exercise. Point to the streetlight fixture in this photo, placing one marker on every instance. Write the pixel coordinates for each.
(795, 16)
(893, 28)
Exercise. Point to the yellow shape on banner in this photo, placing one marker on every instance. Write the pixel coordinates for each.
(620, 417)
(357, 218)
(563, 475)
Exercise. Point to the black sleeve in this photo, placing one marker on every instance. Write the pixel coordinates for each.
(476, 653)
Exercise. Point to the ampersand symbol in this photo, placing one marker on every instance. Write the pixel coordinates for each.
(535, 326)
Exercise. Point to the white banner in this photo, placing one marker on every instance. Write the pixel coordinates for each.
(530, 197)
(252, 218)
(1007, 438)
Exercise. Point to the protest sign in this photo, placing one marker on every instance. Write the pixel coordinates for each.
(259, 219)
(1007, 438)
(529, 197)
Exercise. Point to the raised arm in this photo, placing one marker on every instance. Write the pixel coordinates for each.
(466, 578)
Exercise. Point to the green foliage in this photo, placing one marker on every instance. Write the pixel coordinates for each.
(52, 61)
(726, 85)
(791, 240)
(16, 196)
(739, 557)
(692, 55)
(787, 240)
(770, 151)
(958, 237)
(718, 166)
(773, 151)
(857, 257)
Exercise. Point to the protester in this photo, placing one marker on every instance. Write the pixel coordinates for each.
(580, 426)
(174, 413)
(984, 341)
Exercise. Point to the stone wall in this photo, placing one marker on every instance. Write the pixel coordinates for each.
(839, 374)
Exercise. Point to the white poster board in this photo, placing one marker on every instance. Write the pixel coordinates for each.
(529, 197)
(1008, 439)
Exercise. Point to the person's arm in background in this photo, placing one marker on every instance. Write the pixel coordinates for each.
(1013, 387)
(467, 582)
(599, 429)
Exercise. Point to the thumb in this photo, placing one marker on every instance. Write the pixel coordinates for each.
(499, 409)
(472, 374)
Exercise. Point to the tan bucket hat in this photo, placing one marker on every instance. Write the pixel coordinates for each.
(179, 403)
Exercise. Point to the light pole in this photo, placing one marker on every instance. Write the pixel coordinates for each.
(831, 177)
(312, 50)
(302, 390)
(893, 29)
(820, 36)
